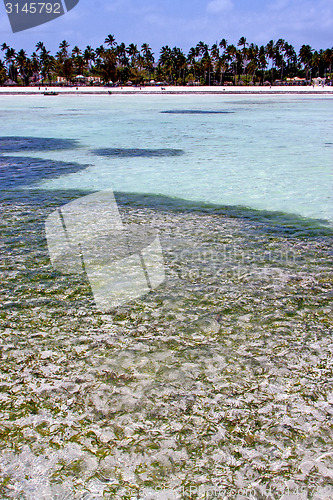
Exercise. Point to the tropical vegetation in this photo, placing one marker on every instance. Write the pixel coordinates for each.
(112, 63)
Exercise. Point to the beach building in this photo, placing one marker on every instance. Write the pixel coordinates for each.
(296, 81)
(319, 81)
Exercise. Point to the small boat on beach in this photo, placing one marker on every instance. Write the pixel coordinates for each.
(51, 93)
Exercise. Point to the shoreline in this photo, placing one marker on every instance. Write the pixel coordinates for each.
(250, 90)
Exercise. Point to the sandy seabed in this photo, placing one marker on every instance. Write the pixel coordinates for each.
(216, 385)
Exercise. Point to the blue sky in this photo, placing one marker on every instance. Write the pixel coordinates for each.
(182, 23)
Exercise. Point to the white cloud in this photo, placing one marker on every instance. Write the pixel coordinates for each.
(215, 6)
(117, 6)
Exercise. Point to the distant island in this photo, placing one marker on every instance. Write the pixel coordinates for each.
(276, 63)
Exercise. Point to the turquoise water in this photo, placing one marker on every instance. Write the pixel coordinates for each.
(264, 153)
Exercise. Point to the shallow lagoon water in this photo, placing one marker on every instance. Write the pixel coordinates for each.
(222, 377)
(267, 153)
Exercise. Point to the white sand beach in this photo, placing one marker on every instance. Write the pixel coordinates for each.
(308, 89)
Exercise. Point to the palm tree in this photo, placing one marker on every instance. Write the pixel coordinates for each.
(145, 49)
(121, 54)
(48, 64)
(280, 54)
(191, 59)
(291, 57)
(270, 51)
(63, 62)
(110, 41)
(35, 66)
(239, 63)
(166, 61)
(207, 66)
(89, 56)
(231, 53)
(243, 43)
(132, 51)
(202, 49)
(40, 46)
(76, 51)
(328, 60)
(78, 60)
(3, 73)
(210, 65)
(316, 61)
(62, 54)
(222, 67)
(64, 45)
(148, 58)
(203, 60)
(252, 67)
(22, 64)
(223, 44)
(305, 57)
(100, 51)
(179, 64)
(106, 63)
(262, 61)
(253, 57)
(123, 62)
(215, 56)
(10, 61)
(214, 51)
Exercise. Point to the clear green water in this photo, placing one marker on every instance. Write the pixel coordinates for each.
(217, 384)
(265, 153)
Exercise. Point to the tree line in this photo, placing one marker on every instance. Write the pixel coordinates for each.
(222, 63)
